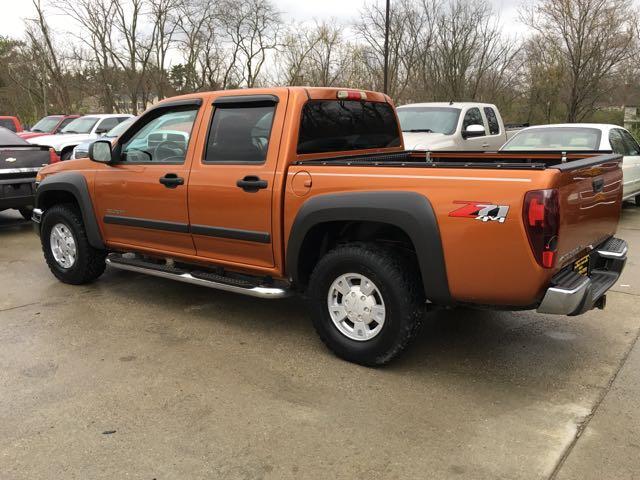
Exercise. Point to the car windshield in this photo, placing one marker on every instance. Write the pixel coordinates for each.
(119, 129)
(46, 125)
(557, 139)
(81, 125)
(429, 119)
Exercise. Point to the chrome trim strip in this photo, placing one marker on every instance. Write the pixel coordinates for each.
(259, 292)
(19, 170)
(608, 254)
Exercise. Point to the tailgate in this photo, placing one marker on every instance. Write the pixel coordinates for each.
(27, 159)
(590, 195)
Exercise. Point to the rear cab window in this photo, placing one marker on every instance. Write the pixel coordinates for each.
(347, 125)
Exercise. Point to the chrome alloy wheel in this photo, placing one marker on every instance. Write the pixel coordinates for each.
(63, 245)
(356, 307)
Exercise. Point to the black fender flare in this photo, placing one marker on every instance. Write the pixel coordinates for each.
(409, 211)
(75, 184)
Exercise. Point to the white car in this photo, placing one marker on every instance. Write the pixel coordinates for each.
(453, 126)
(585, 137)
(78, 131)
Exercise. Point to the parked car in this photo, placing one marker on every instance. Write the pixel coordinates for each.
(453, 126)
(310, 190)
(82, 150)
(19, 163)
(80, 130)
(585, 136)
(11, 123)
(48, 125)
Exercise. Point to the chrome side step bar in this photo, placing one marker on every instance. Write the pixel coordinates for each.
(257, 291)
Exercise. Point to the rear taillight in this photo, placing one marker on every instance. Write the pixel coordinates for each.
(541, 217)
(53, 156)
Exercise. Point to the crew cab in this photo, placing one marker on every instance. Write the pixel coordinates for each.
(453, 127)
(271, 192)
(80, 130)
(571, 137)
(49, 125)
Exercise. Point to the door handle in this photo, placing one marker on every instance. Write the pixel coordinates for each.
(252, 184)
(171, 180)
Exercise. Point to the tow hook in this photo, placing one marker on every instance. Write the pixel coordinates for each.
(601, 303)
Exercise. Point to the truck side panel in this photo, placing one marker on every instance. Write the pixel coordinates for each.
(495, 250)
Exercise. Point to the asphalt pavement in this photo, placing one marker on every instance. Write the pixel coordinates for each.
(144, 378)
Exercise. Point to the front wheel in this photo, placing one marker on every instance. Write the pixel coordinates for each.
(66, 248)
(366, 302)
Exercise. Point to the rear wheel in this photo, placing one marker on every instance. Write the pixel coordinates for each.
(66, 248)
(66, 154)
(637, 200)
(366, 302)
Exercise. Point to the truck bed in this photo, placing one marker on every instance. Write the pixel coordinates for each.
(588, 184)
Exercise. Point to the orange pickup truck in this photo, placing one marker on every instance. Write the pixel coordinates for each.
(270, 192)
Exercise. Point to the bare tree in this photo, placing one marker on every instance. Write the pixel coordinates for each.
(590, 38)
(409, 34)
(253, 29)
(41, 41)
(95, 19)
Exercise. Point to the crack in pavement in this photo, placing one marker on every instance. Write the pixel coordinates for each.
(582, 426)
(18, 306)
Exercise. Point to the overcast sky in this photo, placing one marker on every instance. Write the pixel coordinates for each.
(13, 11)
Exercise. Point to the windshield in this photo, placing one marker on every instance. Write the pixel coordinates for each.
(119, 129)
(81, 125)
(429, 119)
(46, 125)
(561, 138)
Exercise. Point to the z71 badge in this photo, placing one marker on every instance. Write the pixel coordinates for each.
(484, 211)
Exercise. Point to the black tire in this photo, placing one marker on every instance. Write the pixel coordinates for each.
(637, 200)
(26, 212)
(66, 154)
(400, 286)
(89, 263)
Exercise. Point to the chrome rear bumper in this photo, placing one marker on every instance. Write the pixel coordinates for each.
(575, 294)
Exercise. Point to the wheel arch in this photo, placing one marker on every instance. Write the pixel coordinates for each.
(404, 213)
(66, 187)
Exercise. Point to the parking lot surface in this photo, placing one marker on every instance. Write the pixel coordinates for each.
(142, 378)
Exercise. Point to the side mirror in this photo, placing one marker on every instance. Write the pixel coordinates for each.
(100, 151)
(474, 131)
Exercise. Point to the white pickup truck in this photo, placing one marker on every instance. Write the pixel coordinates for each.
(453, 126)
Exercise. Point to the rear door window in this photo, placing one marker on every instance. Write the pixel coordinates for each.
(239, 134)
(336, 126)
(492, 120)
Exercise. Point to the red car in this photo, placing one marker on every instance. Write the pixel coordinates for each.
(48, 126)
(11, 123)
